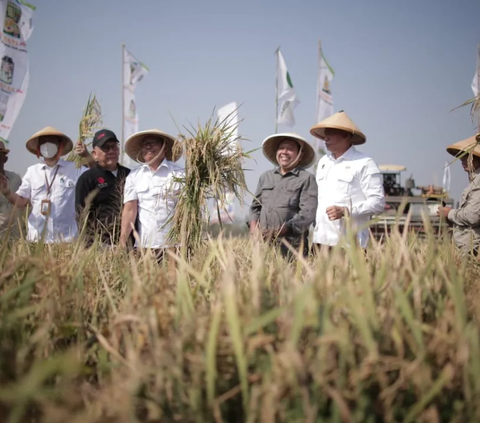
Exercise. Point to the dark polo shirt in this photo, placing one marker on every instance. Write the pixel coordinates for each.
(99, 200)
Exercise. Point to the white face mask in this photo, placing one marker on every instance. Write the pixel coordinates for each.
(48, 150)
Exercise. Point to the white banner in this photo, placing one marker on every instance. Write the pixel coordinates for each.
(228, 115)
(324, 94)
(133, 73)
(14, 75)
(287, 98)
(446, 178)
(476, 87)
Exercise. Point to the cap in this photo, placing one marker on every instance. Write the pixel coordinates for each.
(102, 136)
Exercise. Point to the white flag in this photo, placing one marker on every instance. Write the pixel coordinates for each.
(446, 178)
(287, 98)
(476, 77)
(14, 75)
(324, 93)
(476, 88)
(133, 73)
(228, 115)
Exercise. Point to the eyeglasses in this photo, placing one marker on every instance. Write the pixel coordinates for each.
(107, 148)
(151, 143)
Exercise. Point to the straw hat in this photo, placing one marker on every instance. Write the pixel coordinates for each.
(32, 143)
(134, 144)
(465, 145)
(339, 120)
(271, 143)
(3, 149)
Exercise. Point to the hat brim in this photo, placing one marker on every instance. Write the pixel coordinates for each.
(271, 143)
(319, 132)
(464, 146)
(32, 143)
(133, 145)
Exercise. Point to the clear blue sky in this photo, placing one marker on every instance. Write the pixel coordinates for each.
(400, 67)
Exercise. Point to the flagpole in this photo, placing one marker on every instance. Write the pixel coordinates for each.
(276, 92)
(123, 104)
(318, 80)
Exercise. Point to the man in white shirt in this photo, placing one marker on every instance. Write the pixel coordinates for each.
(150, 190)
(49, 187)
(9, 215)
(349, 183)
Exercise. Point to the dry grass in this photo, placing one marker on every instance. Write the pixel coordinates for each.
(91, 122)
(240, 335)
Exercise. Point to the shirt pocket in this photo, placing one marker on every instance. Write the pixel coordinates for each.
(143, 192)
(37, 188)
(293, 195)
(344, 182)
(267, 194)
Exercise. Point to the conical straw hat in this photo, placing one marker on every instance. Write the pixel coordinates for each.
(32, 143)
(271, 143)
(134, 144)
(465, 145)
(339, 120)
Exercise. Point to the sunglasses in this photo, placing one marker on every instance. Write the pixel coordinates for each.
(107, 148)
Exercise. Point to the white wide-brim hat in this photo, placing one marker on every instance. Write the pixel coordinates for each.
(339, 120)
(271, 143)
(465, 145)
(32, 143)
(134, 144)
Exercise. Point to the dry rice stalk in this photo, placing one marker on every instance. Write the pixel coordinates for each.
(89, 124)
(213, 168)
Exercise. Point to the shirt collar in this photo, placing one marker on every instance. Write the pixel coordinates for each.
(165, 163)
(349, 153)
(60, 163)
(294, 171)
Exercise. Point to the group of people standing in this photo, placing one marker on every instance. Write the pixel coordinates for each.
(103, 199)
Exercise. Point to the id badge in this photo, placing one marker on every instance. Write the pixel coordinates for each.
(45, 207)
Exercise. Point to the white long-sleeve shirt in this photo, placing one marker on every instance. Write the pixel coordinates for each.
(157, 195)
(61, 225)
(353, 181)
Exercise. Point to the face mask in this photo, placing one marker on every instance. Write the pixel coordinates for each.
(48, 150)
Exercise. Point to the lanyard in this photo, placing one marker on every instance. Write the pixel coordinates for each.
(49, 185)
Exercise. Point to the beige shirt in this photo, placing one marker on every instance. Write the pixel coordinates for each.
(466, 219)
(7, 213)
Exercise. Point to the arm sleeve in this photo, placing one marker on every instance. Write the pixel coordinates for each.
(129, 192)
(25, 189)
(371, 183)
(469, 214)
(302, 220)
(256, 206)
(81, 192)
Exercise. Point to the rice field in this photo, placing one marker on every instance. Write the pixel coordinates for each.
(235, 333)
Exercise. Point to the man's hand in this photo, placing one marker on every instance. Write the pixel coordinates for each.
(274, 233)
(443, 211)
(4, 185)
(335, 212)
(81, 149)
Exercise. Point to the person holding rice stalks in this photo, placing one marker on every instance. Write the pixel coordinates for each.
(8, 213)
(99, 191)
(151, 190)
(349, 183)
(49, 187)
(285, 201)
(466, 218)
